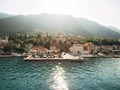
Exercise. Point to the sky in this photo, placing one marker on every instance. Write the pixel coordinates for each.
(105, 12)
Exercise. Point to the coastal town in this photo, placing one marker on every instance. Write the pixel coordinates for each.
(45, 45)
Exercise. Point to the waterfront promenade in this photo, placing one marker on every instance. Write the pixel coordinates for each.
(52, 59)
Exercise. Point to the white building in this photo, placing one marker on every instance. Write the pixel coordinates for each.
(4, 41)
(83, 49)
(77, 49)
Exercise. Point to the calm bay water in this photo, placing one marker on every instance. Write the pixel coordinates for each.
(91, 74)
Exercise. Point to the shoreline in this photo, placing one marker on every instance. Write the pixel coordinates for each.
(50, 59)
(26, 58)
(101, 57)
(9, 56)
(61, 59)
(5, 56)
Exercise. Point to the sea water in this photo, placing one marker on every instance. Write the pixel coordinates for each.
(90, 74)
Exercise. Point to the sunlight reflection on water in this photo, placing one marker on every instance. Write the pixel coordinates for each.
(59, 82)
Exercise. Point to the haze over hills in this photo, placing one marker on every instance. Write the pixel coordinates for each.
(54, 23)
(3, 15)
(115, 29)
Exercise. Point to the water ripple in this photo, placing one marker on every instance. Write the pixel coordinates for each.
(91, 74)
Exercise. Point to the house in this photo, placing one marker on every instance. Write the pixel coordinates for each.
(76, 49)
(116, 47)
(83, 49)
(89, 48)
(4, 41)
(105, 47)
(37, 50)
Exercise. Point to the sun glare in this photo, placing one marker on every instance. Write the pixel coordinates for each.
(60, 6)
(69, 7)
(59, 79)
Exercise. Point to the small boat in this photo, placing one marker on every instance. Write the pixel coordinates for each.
(16, 54)
(68, 56)
(101, 55)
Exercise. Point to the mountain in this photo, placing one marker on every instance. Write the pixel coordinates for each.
(115, 29)
(54, 23)
(3, 15)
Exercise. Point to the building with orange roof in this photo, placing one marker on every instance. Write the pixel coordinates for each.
(83, 49)
(37, 49)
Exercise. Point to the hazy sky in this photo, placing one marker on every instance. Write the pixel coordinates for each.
(106, 12)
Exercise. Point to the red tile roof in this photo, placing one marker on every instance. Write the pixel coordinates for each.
(40, 48)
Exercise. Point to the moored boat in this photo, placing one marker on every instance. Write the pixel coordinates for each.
(16, 54)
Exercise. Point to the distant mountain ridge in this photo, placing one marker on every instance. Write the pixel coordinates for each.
(115, 29)
(54, 23)
(2, 15)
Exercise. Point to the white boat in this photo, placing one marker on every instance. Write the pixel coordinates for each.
(16, 54)
(101, 55)
(68, 56)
